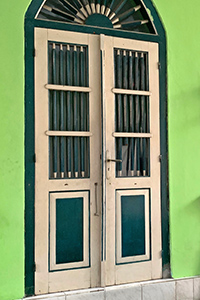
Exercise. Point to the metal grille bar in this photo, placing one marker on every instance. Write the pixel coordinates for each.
(132, 112)
(68, 111)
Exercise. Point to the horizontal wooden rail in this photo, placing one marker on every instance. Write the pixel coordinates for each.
(67, 88)
(132, 134)
(68, 133)
(131, 92)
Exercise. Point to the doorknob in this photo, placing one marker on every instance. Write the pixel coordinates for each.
(96, 199)
(114, 160)
(108, 166)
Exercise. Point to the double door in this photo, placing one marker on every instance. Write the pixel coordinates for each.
(97, 172)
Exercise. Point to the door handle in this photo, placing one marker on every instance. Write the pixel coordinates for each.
(96, 199)
(108, 166)
(114, 160)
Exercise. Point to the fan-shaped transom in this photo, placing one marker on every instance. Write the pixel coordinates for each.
(128, 15)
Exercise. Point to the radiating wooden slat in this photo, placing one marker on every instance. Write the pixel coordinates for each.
(68, 133)
(119, 6)
(93, 8)
(131, 92)
(57, 87)
(82, 9)
(120, 13)
(107, 12)
(128, 12)
(98, 6)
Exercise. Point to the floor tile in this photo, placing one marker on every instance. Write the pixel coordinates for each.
(159, 291)
(87, 296)
(197, 288)
(127, 293)
(184, 289)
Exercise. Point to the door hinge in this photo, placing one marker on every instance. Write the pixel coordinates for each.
(34, 52)
(34, 158)
(34, 267)
(159, 65)
(160, 158)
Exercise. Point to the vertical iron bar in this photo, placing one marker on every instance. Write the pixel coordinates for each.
(125, 102)
(119, 108)
(55, 139)
(51, 93)
(137, 117)
(82, 98)
(69, 116)
(147, 89)
(147, 116)
(62, 139)
(143, 116)
(86, 120)
(75, 113)
(125, 86)
(132, 146)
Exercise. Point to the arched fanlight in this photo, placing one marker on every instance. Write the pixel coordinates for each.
(117, 14)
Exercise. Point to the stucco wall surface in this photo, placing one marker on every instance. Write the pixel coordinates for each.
(182, 25)
(11, 149)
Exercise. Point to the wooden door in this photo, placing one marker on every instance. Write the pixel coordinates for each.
(97, 180)
(68, 165)
(132, 212)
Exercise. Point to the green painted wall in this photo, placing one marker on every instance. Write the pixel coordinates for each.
(182, 24)
(11, 149)
(184, 140)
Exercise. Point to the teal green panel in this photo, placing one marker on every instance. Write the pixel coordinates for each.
(69, 230)
(133, 225)
(99, 20)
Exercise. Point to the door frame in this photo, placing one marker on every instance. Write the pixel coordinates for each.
(160, 38)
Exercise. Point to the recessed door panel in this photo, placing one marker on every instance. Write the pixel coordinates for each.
(132, 226)
(69, 230)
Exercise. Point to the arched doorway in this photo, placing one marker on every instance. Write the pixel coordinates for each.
(97, 178)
